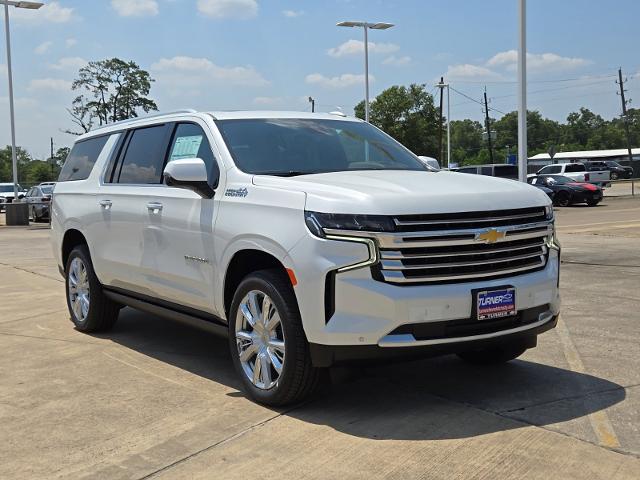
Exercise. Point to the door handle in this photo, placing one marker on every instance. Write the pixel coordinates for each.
(106, 204)
(154, 207)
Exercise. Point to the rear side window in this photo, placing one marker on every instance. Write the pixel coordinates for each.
(144, 158)
(486, 171)
(468, 170)
(81, 159)
(574, 167)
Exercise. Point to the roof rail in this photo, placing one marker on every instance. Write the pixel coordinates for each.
(145, 117)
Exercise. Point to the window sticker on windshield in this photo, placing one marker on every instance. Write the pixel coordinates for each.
(186, 147)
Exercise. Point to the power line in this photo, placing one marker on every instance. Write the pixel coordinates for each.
(476, 101)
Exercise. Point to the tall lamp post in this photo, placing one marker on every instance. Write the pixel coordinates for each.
(366, 26)
(14, 157)
(522, 94)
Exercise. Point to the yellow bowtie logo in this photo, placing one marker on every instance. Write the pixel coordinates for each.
(490, 236)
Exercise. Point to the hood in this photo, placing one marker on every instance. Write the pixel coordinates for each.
(405, 192)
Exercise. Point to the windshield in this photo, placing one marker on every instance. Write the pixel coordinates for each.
(9, 188)
(614, 164)
(294, 146)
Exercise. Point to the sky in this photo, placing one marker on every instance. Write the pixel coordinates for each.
(274, 54)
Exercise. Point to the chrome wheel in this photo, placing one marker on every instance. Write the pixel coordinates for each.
(79, 289)
(260, 339)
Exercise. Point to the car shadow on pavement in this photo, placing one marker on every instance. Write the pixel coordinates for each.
(437, 398)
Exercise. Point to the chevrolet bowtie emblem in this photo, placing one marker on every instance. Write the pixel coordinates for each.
(490, 236)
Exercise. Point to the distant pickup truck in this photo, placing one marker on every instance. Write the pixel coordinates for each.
(578, 172)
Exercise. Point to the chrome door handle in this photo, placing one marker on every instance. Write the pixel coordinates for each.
(154, 207)
(106, 204)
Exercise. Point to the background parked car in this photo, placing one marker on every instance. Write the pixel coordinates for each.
(502, 170)
(39, 200)
(616, 170)
(568, 191)
(577, 171)
(6, 191)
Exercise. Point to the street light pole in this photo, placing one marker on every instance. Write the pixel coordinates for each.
(365, 26)
(14, 156)
(522, 94)
(366, 74)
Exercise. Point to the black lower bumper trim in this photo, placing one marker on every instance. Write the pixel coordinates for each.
(328, 355)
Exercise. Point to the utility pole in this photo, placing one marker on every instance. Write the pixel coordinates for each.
(625, 119)
(488, 124)
(52, 159)
(313, 104)
(440, 154)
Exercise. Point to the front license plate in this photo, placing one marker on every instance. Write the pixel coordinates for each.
(498, 303)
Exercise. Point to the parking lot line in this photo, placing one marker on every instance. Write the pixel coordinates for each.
(599, 420)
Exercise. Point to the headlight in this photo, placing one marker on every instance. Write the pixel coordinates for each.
(317, 222)
(548, 211)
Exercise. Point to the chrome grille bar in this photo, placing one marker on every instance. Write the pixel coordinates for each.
(398, 265)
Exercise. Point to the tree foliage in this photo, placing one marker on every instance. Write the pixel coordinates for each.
(110, 90)
(30, 170)
(408, 115)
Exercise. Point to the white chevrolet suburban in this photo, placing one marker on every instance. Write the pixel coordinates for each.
(309, 239)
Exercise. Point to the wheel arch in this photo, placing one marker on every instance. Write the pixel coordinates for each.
(244, 262)
(72, 238)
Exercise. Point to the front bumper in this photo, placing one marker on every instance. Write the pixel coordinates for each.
(350, 314)
(329, 355)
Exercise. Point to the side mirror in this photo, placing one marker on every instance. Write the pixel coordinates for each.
(189, 173)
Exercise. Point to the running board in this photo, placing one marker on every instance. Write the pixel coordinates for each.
(209, 323)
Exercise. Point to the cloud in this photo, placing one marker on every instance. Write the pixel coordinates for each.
(467, 71)
(191, 71)
(355, 47)
(228, 8)
(135, 8)
(68, 63)
(51, 12)
(43, 47)
(267, 100)
(340, 81)
(537, 62)
(21, 102)
(397, 61)
(292, 13)
(49, 84)
(70, 42)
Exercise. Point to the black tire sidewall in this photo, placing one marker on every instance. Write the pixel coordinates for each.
(289, 314)
(563, 196)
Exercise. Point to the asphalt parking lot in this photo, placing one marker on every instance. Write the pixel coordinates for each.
(157, 399)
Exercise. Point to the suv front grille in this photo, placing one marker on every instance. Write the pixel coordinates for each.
(462, 247)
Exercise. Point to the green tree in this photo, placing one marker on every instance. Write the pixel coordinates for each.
(6, 169)
(466, 141)
(408, 115)
(111, 90)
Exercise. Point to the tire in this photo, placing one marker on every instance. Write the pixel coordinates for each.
(99, 313)
(562, 199)
(493, 355)
(593, 203)
(283, 345)
(614, 176)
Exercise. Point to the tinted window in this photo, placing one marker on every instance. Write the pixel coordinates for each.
(551, 169)
(290, 146)
(574, 167)
(144, 158)
(190, 141)
(486, 171)
(506, 171)
(468, 170)
(81, 159)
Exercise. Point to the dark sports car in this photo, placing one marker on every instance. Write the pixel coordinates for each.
(567, 191)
